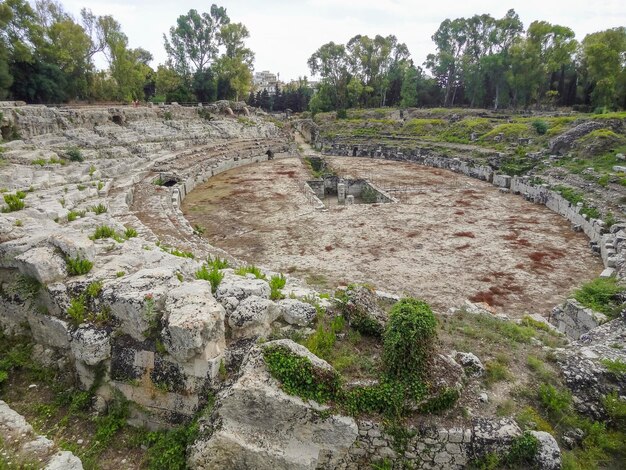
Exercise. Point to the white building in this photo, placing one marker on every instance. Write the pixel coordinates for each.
(266, 80)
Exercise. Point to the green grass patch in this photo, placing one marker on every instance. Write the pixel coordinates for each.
(242, 271)
(600, 295)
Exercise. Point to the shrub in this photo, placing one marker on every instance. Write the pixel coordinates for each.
(214, 276)
(167, 448)
(218, 262)
(523, 450)
(342, 114)
(616, 408)
(540, 126)
(387, 398)
(408, 338)
(276, 284)
(78, 266)
(321, 342)
(93, 290)
(298, 376)
(74, 154)
(556, 402)
(600, 295)
(14, 203)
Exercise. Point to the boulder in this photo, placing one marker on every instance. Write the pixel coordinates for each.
(91, 345)
(471, 364)
(363, 312)
(194, 322)
(253, 317)
(549, 455)
(257, 425)
(562, 143)
(241, 287)
(494, 435)
(296, 312)
(575, 320)
(74, 245)
(42, 263)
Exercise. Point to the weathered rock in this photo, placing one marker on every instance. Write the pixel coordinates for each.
(241, 287)
(575, 320)
(549, 455)
(296, 312)
(42, 263)
(257, 425)
(363, 311)
(471, 364)
(494, 436)
(91, 345)
(566, 140)
(74, 245)
(64, 460)
(49, 331)
(252, 317)
(194, 322)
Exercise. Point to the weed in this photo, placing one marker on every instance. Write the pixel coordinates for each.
(94, 289)
(530, 419)
(496, 371)
(277, 282)
(78, 266)
(218, 262)
(98, 209)
(167, 448)
(74, 154)
(13, 202)
(120, 274)
(104, 231)
(556, 402)
(250, 270)
(130, 232)
(100, 185)
(600, 295)
(214, 276)
(18, 223)
(444, 400)
(77, 310)
(615, 367)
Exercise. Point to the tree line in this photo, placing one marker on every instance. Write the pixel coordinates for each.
(479, 62)
(47, 56)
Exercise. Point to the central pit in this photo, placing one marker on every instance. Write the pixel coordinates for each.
(447, 239)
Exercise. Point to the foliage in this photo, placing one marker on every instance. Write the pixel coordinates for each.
(523, 450)
(615, 367)
(242, 271)
(408, 339)
(130, 232)
(98, 209)
(218, 262)
(73, 215)
(14, 203)
(600, 295)
(387, 398)
(214, 276)
(77, 310)
(277, 282)
(74, 154)
(104, 231)
(556, 402)
(444, 400)
(540, 126)
(167, 448)
(298, 376)
(615, 407)
(78, 265)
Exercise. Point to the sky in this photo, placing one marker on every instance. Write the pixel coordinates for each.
(284, 34)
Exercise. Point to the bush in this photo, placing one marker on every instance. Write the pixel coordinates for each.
(540, 126)
(167, 448)
(342, 114)
(14, 203)
(556, 402)
(600, 295)
(523, 450)
(74, 154)
(387, 398)
(78, 266)
(408, 338)
(444, 400)
(77, 310)
(298, 376)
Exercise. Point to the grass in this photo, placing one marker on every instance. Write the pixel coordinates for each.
(73, 215)
(615, 367)
(213, 276)
(98, 209)
(78, 266)
(277, 282)
(250, 269)
(14, 202)
(600, 295)
(104, 232)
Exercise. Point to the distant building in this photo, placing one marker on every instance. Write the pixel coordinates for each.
(267, 80)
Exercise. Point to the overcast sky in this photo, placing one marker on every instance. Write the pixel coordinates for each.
(284, 34)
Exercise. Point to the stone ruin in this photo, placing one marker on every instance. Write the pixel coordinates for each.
(158, 336)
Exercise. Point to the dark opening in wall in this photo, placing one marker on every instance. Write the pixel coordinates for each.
(354, 151)
(117, 119)
(6, 132)
(169, 183)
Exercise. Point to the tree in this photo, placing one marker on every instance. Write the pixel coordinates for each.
(234, 66)
(604, 66)
(195, 40)
(331, 63)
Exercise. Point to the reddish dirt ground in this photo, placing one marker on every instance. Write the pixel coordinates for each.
(450, 238)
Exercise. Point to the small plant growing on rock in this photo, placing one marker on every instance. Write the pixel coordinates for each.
(214, 276)
(78, 266)
(130, 232)
(104, 231)
(540, 126)
(74, 154)
(14, 203)
(250, 270)
(218, 262)
(408, 339)
(276, 284)
(99, 209)
(600, 295)
(77, 310)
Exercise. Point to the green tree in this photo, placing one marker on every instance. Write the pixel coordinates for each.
(331, 63)
(234, 66)
(604, 67)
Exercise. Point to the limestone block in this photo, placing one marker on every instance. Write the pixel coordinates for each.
(134, 299)
(296, 312)
(264, 428)
(49, 331)
(194, 322)
(14, 423)
(494, 435)
(575, 320)
(253, 317)
(42, 263)
(549, 455)
(91, 345)
(241, 287)
(74, 245)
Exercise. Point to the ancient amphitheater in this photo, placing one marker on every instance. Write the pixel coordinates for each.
(122, 207)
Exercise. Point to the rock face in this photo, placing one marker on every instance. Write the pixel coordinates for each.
(584, 366)
(566, 140)
(194, 322)
(257, 425)
(363, 311)
(296, 312)
(471, 364)
(253, 317)
(549, 455)
(575, 320)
